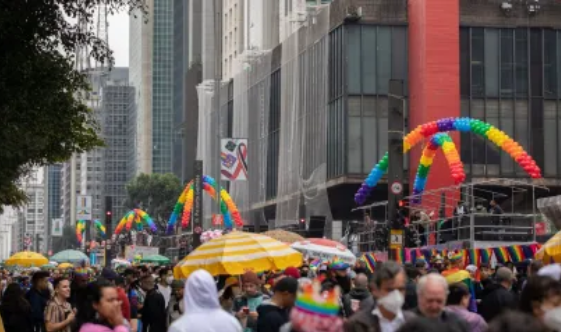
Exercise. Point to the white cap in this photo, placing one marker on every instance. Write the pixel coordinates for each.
(553, 271)
(471, 268)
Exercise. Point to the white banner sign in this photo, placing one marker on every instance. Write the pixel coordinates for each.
(56, 227)
(233, 159)
(84, 208)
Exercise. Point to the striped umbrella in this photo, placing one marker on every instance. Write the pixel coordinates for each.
(238, 252)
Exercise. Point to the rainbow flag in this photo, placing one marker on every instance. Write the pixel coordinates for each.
(474, 256)
(370, 261)
(457, 275)
(501, 254)
(399, 255)
(486, 255)
(516, 253)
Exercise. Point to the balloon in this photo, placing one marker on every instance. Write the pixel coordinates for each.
(434, 130)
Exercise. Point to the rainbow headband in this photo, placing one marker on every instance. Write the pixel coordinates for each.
(456, 257)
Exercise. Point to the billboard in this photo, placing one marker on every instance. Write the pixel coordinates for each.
(233, 159)
(84, 208)
(56, 227)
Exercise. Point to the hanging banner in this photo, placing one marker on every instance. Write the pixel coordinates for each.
(233, 159)
(84, 208)
(56, 227)
(198, 203)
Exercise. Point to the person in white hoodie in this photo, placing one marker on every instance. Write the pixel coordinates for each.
(202, 308)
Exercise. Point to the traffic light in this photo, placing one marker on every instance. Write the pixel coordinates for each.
(302, 224)
(108, 214)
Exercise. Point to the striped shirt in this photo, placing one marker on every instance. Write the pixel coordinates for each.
(56, 312)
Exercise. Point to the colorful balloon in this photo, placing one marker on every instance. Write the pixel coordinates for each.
(461, 124)
(80, 230)
(100, 228)
(184, 206)
(137, 217)
(445, 142)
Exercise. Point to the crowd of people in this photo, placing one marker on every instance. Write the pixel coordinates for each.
(441, 295)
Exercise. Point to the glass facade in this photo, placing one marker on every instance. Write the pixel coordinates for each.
(162, 90)
(511, 78)
(374, 55)
(115, 105)
(54, 172)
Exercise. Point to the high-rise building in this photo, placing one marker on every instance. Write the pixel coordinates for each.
(115, 99)
(322, 105)
(34, 226)
(8, 221)
(83, 173)
(53, 202)
(151, 75)
(247, 25)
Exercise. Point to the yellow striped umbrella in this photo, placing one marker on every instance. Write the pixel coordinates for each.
(551, 250)
(27, 259)
(238, 252)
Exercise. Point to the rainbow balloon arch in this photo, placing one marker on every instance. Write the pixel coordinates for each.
(436, 133)
(137, 217)
(81, 229)
(184, 206)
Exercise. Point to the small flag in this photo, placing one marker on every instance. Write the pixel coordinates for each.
(370, 261)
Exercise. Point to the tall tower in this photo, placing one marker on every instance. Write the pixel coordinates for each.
(82, 174)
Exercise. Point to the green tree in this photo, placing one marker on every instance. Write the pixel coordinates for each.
(156, 194)
(42, 120)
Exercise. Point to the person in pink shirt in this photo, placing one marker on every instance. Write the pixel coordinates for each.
(100, 309)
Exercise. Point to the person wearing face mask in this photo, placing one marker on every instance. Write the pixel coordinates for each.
(388, 288)
(164, 286)
(541, 298)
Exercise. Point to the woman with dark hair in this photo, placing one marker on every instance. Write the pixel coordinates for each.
(15, 310)
(458, 303)
(100, 309)
(541, 298)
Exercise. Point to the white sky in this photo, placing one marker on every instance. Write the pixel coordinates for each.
(119, 38)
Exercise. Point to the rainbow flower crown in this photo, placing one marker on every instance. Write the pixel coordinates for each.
(316, 311)
(312, 300)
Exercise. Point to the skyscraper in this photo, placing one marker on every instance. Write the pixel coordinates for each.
(115, 99)
(151, 75)
(53, 182)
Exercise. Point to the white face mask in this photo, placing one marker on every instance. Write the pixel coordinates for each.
(392, 302)
(169, 280)
(552, 318)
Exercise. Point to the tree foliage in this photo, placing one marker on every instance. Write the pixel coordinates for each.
(42, 120)
(156, 194)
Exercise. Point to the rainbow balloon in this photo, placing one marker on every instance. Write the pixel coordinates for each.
(464, 125)
(100, 228)
(139, 218)
(80, 229)
(444, 141)
(184, 205)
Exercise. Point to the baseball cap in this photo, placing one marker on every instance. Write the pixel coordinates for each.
(504, 274)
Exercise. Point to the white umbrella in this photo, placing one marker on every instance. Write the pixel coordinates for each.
(324, 249)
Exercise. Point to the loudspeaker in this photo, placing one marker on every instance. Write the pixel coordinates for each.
(317, 227)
